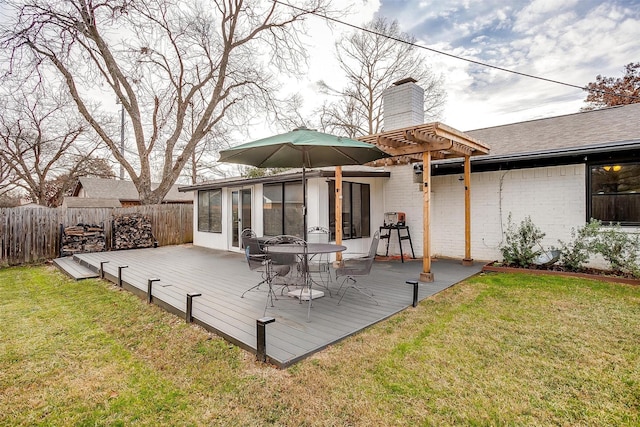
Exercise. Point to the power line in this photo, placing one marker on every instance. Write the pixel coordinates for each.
(483, 64)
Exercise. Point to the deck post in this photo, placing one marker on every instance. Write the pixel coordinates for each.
(427, 274)
(149, 286)
(190, 297)
(467, 212)
(261, 347)
(102, 263)
(120, 267)
(415, 291)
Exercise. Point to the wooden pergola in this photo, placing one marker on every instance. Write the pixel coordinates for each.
(424, 143)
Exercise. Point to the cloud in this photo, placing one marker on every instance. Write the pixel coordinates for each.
(571, 41)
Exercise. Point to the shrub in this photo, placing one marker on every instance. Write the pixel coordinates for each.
(576, 253)
(520, 243)
(619, 249)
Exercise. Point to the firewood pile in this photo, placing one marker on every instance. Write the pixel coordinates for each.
(132, 231)
(82, 238)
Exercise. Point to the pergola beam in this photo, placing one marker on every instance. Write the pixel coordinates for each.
(428, 142)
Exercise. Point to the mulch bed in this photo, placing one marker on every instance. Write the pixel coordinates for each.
(555, 270)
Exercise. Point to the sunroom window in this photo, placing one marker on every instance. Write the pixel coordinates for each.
(210, 211)
(282, 209)
(356, 222)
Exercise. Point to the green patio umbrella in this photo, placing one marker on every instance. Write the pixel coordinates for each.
(302, 148)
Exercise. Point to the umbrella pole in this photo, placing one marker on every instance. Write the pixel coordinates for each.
(304, 205)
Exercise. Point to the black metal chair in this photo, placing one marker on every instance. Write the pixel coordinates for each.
(320, 264)
(351, 268)
(262, 262)
(286, 260)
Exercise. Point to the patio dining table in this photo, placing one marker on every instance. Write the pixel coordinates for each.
(306, 250)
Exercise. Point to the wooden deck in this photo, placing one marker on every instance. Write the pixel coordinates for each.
(221, 277)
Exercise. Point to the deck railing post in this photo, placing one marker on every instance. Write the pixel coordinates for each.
(190, 297)
(102, 263)
(261, 347)
(149, 286)
(120, 267)
(415, 291)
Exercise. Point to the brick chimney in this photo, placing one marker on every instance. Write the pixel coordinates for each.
(403, 104)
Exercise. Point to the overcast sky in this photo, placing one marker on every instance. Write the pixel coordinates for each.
(571, 41)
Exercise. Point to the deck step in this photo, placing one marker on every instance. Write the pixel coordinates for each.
(74, 269)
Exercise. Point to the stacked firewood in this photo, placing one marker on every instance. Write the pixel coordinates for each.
(82, 238)
(132, 231)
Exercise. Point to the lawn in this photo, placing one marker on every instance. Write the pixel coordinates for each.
(498, 349)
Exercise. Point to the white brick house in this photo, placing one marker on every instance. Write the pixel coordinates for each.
(560, 171)
(553, 170)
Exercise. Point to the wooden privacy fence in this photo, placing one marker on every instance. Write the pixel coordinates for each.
(29, 235)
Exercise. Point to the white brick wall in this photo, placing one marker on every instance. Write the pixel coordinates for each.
(554, 198)
(403, 106)
(401, 194)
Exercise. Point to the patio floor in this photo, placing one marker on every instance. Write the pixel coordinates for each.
(221, 277)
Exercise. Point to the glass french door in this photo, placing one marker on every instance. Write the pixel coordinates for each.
(240, 214)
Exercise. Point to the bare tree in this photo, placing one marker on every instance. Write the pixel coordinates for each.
(8, 179)
(373, 61)
(40, 140)
(164, 60)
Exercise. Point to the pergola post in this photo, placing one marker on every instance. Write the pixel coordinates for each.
(431, 141)
(467, 212)
(426, 275)
(338, 199)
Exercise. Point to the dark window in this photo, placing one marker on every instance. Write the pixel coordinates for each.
(614, 192)
(356, 203)
(210, 211)
(282, 209)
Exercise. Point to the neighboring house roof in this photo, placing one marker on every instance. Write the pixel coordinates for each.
(32, 205)
(608, 125)
(89, 202)
(124, 191)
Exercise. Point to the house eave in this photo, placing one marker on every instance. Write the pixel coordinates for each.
(286, 177)
(572, 155)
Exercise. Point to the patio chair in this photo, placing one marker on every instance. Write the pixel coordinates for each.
(319, 265)
(247, 233)
(259, 261)
(290, 260)
(351, 268)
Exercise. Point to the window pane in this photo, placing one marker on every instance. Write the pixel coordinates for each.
(356, 210)
(293, 221)
(365, 211)
(203, 211)
(615, 192)
(332, 210)
(246, 209)
(215, 211)
(346, 210)
(272, 209)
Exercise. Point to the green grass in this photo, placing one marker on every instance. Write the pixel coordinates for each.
(498, 349)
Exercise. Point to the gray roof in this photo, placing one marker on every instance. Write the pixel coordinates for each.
(597, 127)
(99, 188)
